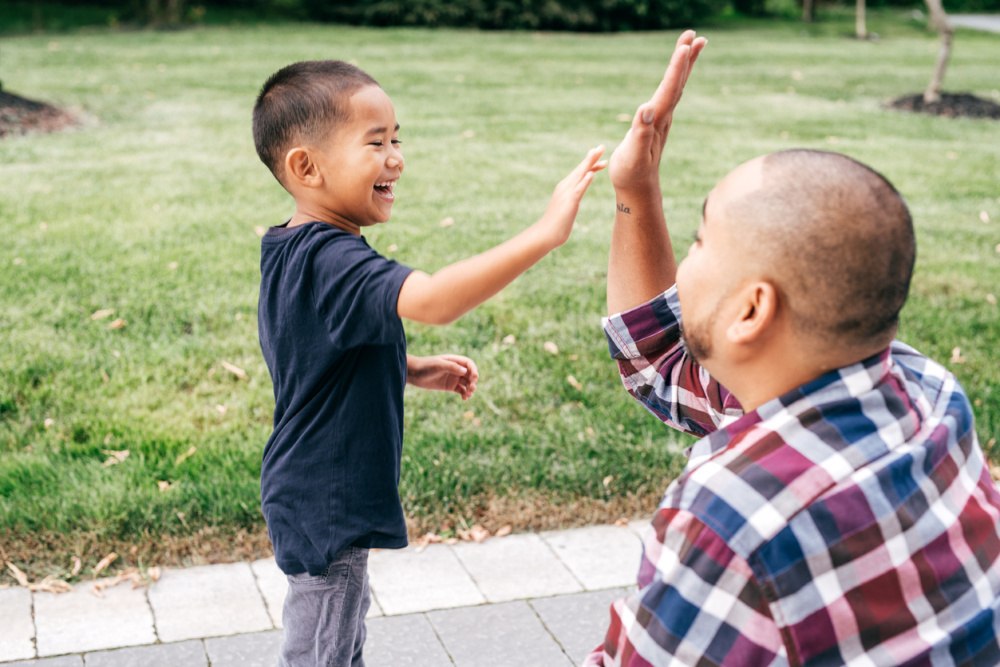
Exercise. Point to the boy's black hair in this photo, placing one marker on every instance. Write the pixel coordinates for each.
(301, 101)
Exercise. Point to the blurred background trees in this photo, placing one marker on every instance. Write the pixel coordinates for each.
(575, 15)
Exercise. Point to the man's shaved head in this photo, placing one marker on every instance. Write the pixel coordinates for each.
(833, 234)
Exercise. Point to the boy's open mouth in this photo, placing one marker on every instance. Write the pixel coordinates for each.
(384, 190)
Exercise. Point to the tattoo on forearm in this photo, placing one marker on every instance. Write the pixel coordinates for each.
(622, 208)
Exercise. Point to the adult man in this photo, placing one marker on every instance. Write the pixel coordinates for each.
(839, 509)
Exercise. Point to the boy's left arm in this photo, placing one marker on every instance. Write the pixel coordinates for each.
(443, 372)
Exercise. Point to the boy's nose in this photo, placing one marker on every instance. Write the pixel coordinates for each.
(395, 159)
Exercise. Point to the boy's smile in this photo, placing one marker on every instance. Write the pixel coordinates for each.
(360, 162)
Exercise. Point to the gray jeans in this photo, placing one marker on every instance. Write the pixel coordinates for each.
(324, 616)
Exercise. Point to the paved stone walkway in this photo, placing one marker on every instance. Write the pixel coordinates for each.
(986, 22)
(543, 595)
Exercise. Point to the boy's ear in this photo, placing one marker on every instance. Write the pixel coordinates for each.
(300, 168)
(758, 310)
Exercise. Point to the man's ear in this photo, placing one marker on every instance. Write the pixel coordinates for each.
(300, 168)
(758, 310)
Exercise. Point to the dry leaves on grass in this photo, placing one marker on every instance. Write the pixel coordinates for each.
(115, 456)
(49, 584)
(956, 356)
(133, 574)
(186, 455)
(235, 370)
(477, 533)
(550, 347)
(102, 313)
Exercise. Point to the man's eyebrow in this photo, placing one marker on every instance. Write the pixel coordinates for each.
(381, 130)
(704, 204)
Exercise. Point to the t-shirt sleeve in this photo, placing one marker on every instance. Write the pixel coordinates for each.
(355, 290)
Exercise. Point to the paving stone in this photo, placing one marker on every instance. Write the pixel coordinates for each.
(273, 586)
(255, 650)
(404, 581)
(404, 641)
(578, 622)
(81, 621)
(497, 635)
(599, 556)
(639, 526)
(62, 661)
(16, 627)
(207, 601)
(516, 567)
(189, 654)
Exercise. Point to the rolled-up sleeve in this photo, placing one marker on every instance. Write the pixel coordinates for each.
(658, 371)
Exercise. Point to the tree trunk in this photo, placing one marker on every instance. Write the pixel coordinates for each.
(940, 22)
(860, 24)
(808, 11)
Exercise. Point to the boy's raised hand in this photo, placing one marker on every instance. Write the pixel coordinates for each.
(635, 163)
(443, 372)
(561, 212)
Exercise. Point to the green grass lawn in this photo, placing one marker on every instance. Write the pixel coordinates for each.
(151, 210)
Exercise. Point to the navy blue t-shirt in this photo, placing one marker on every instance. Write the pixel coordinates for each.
(336, 350)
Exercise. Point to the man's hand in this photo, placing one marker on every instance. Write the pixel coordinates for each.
(641, 262)
(443, 372)
(635, 164)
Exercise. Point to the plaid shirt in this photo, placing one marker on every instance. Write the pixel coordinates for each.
(850, 521)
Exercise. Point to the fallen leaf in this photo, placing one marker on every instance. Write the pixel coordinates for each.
(550, 347)
(478, 533)
(447, 222)
(104, 562)
(16, 572)
(468, 415)
(18, 261)
(468, 134)
(509, 339)
(621, 522)
(186, 455)
(172, 266)
(164, 485)
(50, 585)
(49, 422)
(153, 573)
(392, 247)
(503, 531)
(235, 370)
(607, 481)
(573, 382)
(984, 216)
(797, 75)
(115, 456)
(105, 378)
(221, 409)
(991, 299)
(102, 313)
(956, 356)
(259, 230)
(118, 324)
(77, 566)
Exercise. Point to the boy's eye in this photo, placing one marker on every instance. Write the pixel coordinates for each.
(397, 142)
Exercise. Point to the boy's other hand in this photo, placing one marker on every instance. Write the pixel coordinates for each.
(635, 163)
(443, 372)
(561, 213)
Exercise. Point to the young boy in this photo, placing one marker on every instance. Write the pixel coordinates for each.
(330, 323)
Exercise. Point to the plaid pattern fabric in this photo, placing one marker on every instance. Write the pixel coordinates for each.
(850, 521)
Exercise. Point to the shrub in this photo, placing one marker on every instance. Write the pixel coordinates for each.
(574, 15)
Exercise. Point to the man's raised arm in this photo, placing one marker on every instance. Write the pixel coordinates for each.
(641, 263)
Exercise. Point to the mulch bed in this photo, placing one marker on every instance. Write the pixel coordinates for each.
(19, 115)
(951, 105)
